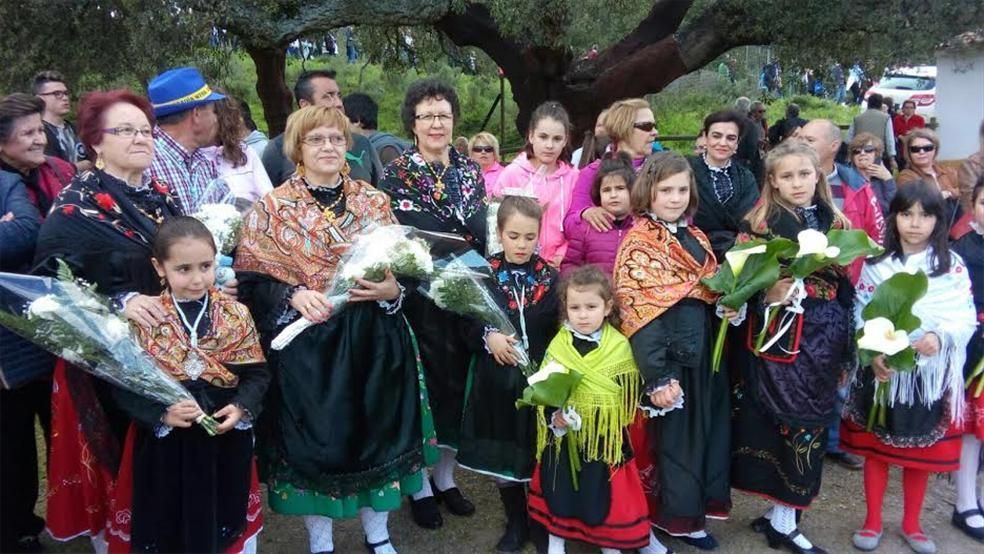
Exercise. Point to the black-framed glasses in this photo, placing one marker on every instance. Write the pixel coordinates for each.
(863, 150)
(433, 118)
(125, 131)
(318, 141)
(483, 149)
(59, 94)
(646, 126)
(923, 148)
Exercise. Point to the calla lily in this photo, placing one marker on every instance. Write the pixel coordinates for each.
(545, 372)
(880, 335)
(737, 258)
(813, 242)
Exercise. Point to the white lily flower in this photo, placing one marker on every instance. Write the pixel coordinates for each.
(737, 258)
(880, 336)
(545, 372)
(116, 329)
(813, 242)
(44, 307)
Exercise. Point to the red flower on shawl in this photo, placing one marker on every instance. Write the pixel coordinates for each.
(68, 210)
(160, 187)
(129, 233)
(105, 201)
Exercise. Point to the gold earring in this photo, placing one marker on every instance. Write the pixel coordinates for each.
(100, 164)
(346, 169)
(300, 169)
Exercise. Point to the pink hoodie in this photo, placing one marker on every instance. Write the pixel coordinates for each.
(553, 192)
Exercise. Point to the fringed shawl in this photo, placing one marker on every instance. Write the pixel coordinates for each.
(654, 271)
(606, 398)
(946, 310)
(232, 339)
(287, 237)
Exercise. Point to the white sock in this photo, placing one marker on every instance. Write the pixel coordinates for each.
(374, 526)
(99, 544)
(966, 478)
(784, 520)
(319, 533)
(768, 513)
(697, 534)
(249, 547)
(426, 490)
(556, 545)
(610, 551)
(654, 546)
(444, 470)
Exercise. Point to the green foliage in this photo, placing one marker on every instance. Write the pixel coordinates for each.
(851, 243)
(893, 300)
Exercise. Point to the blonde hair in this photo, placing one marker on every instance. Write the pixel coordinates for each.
(923, 133)
(862, 139)
(770, 202)
(657, 168)
(487, 138)
(301, 122)
(621, 116)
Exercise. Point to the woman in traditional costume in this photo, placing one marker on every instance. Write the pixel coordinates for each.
(434, 188)
(922, 429)
(596, 496)
(347, 415)
(786, 394)
(180, 489)
(667, 314)
(497, 439)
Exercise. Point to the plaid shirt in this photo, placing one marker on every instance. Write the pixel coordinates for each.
(193, 177)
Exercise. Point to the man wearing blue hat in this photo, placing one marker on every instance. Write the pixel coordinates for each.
(186, 122)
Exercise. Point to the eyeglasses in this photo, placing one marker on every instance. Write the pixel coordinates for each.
(433, 118)
(646, 126)
(126, 131)
(59, 94)
(924, 148)
(483, 149)
(863, 150)
(318, 141)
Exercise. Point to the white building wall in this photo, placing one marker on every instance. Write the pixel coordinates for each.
(959, 101)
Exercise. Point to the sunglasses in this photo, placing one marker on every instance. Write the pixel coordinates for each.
(646, 126)
(863, 150)
(483, 149)
(924, 148)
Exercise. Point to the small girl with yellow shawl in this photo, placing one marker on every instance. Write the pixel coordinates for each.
(603, 504)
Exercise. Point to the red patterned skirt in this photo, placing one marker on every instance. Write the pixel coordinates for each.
(974, 415)
(941, 456)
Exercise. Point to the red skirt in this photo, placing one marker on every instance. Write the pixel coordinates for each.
(974, 416)
(118, 525)
(79, 488)
(627, 524)
(942, 456)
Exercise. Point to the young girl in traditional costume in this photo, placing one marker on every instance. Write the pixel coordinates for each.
(496, 438)
(611, 191)
(543, 171)
(922, 433)
(668, 314)
(967, 513)
(348, 424)
(779, 430)
(180, 489)
(602, 503)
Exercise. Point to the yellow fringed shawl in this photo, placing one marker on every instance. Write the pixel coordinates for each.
(606, 398)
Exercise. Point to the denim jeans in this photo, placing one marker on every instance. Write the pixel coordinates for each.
(833, 430)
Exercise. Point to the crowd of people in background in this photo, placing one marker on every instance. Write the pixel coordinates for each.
(598, 257)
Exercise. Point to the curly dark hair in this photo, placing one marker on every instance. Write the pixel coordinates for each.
(422, 90)
(590, 276)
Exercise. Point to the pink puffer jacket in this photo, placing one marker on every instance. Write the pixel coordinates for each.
(587, 246)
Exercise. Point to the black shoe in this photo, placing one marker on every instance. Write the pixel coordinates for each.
(707, 542)
(539, 536)
(959, 520)
(453, 499)
(778, 540)
(371, 546)
(846, 460)
(24, 545)
(425, 512)
(517, 520)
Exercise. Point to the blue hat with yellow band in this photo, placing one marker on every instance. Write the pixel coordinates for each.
(180, 89)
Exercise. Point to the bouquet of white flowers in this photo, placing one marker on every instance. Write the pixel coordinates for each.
(223, 220)
(404, 251)
(69, 319)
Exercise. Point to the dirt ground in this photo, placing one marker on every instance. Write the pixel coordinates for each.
(837, 512)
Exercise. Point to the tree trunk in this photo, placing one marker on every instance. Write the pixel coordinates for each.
(271, 67)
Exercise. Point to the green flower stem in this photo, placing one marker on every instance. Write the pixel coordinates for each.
(977, 373)
(719, 345)
(760, 340)
(572, 456)
(209, 424)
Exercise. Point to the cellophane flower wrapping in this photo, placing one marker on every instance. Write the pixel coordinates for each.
(69, 319)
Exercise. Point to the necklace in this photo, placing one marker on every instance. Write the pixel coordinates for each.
(439, 179)
(327, 211)
(156, 217)
(192, 329)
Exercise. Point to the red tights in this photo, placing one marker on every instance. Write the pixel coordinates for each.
(913, 493)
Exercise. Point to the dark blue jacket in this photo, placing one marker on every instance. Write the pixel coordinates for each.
(20, 361)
